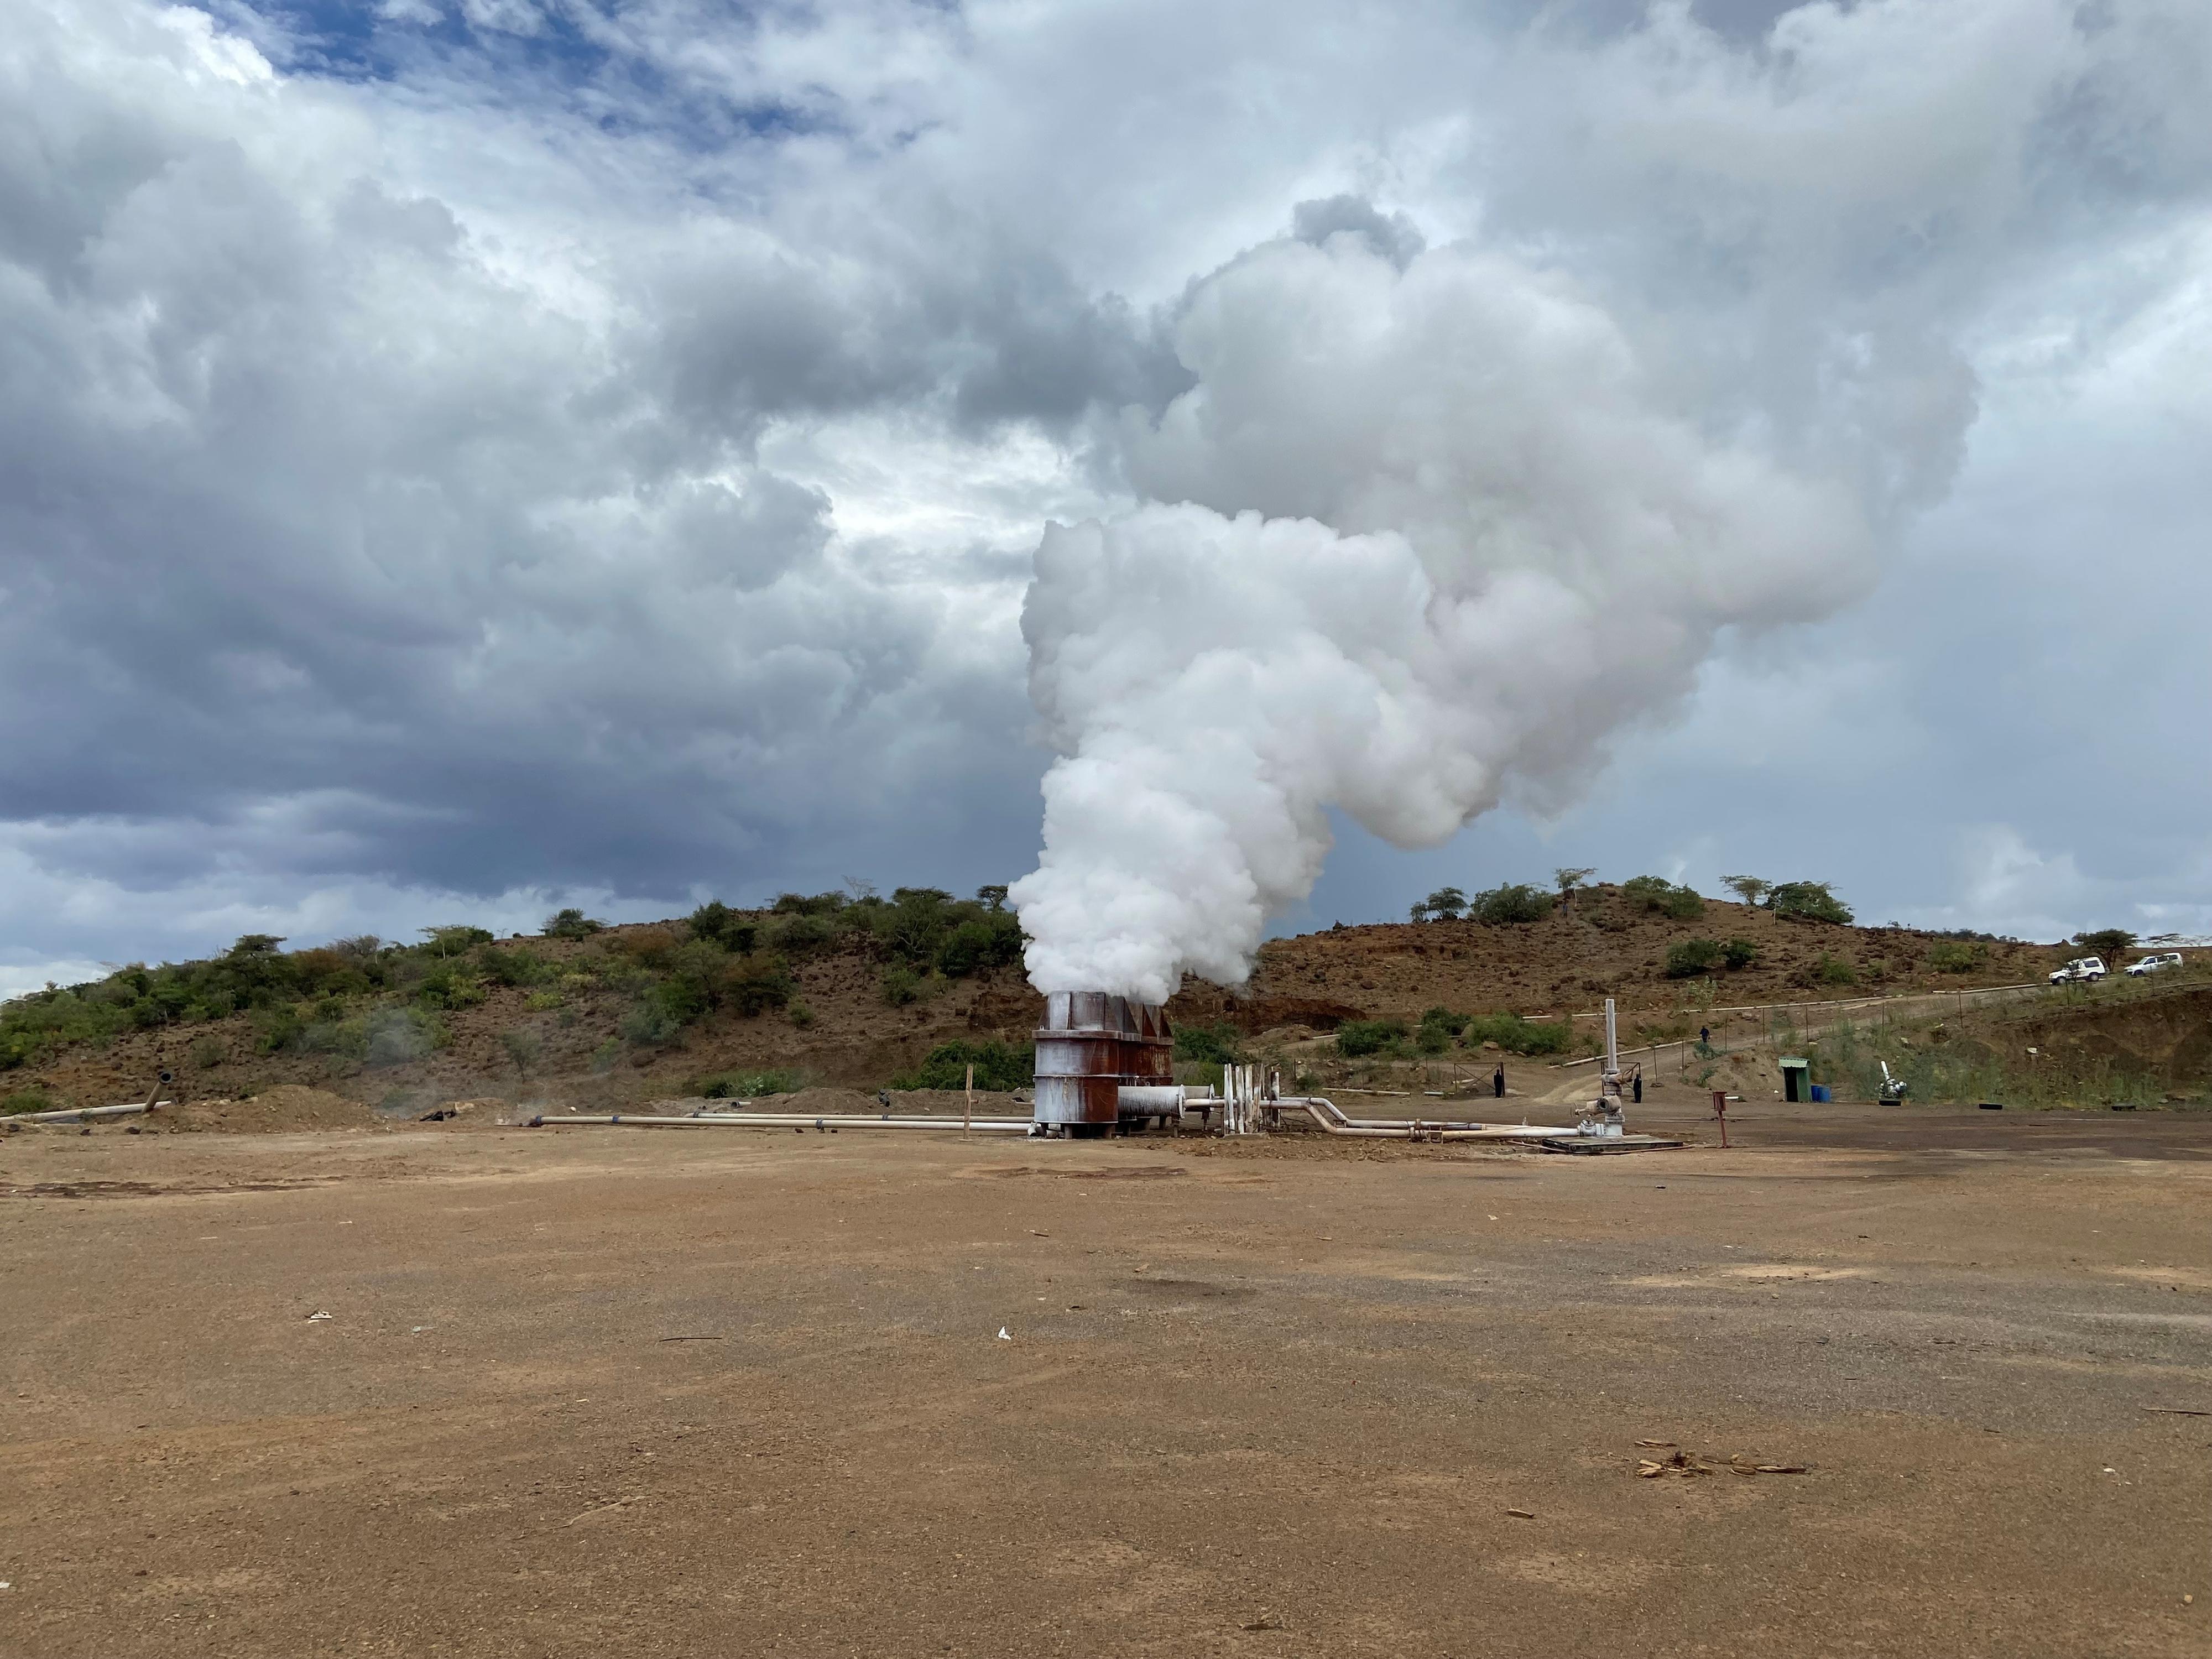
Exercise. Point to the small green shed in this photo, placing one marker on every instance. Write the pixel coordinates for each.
(1797, 1078)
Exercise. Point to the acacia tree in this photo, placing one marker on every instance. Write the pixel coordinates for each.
(2105, 942)
(523, 1047)
(1445, 904)
(1808, 901)
(1568, 878)
(1750, 888)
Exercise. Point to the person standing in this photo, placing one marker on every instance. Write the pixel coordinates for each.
(1498, 1082)
(1636, 1082)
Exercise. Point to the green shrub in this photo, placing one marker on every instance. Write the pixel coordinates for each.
(999, 1066)
(1438, 1028)
(524, 1046)
(518, 966)
(1516, 1035)
(449, 987)
(1834, 970)
(653, 948)
(1512, 903)
(347, 1038)
(1214, 1045)
(798, 1013)
(1739, 953)
(915, 922)
(899, 984)
(801, 933)
(744, 1085)
(994, 939)
(758, 983)
(623, 978)
(697, 976)
(717, 924)
(571, 923)
(803, 904)
(452, 941)
(1808, 901)
(1957, 956)
(660, 1016)
(253, 974)
(1694, 956)
(1656, 894)
(28, 1100)
(1358, 1037)
(276, 1030)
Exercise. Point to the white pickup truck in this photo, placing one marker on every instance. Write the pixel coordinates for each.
(2152, 964)
(2082, 970)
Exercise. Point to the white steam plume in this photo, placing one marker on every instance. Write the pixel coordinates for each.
(1444, 521)
(1557, 557)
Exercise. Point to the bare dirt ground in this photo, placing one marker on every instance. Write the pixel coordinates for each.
(613, 1392)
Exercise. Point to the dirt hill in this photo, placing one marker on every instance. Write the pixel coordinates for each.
(570, 1033)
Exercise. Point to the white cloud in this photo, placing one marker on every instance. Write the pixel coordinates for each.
(598, 448)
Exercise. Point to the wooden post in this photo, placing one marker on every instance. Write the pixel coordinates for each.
(968, 1109)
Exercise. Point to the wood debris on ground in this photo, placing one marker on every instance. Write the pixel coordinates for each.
(1682, 1463)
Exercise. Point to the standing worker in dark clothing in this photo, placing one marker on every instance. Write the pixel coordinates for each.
(1705, 1036)
(1637, 1082)
(1498, 1081)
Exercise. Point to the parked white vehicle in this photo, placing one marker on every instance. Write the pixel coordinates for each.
(2082, 970)
(2152, 964)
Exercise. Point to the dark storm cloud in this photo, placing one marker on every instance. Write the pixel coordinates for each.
(504, 449)
(310, 495)
(1394, 237)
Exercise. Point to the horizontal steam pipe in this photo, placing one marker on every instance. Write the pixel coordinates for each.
(788, 1121)
(81, 1114)
(1141, 1100)
(1324, 1112)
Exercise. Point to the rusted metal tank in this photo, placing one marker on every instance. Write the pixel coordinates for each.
(1149, 1052)
(1090, 1045)
(1078, 1060)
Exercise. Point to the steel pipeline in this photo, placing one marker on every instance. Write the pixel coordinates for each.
(1325, 1112)
(788, 1121)
(79, 1114)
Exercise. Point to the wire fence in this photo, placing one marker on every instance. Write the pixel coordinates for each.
(1757, 1026)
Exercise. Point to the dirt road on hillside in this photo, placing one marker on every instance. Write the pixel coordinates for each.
(629, 1392)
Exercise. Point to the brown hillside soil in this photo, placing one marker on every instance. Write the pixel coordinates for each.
(2169, 1036)
(287, 1106)
(1600, 945)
